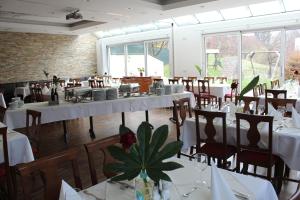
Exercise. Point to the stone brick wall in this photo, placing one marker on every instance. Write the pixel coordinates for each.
(24, 56)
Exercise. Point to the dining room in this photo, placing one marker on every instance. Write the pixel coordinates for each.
(150, 99)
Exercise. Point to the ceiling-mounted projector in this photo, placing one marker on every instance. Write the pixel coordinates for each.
(74, 15)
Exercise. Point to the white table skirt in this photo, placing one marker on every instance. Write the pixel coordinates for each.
(19, 148)
(184, 180)
(218, 90)
(67, 111)
(286, 142)
(2, 101)
(25, 91)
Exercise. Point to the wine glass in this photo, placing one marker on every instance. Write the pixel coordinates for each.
(261, 109)
(200, 163)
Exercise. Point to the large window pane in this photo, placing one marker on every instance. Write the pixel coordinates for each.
(261, 56)
(158, 59)
(292, 64)
(117, 61)
(135, 58)
(222, 55)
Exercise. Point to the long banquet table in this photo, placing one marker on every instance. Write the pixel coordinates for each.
(19, 148)
(67, 110)
(184, 180)
(286, 140)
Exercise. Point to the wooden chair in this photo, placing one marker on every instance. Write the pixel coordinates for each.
(48, 168)
(101, 146)
(280, 103)
(233, 91)
(275, 83)
(262, 88)
(5, 173)
(256, 91)
(181, 108)
(210, 79)
(247, 100)
(189, 85)
(157, 80)
(100, 83)
(33, 130)
(222, 79)
(250, 152)
(193, 78)
(62, 83)
(77, 84)
(219, 150)
(37, 94)
(276, 93)
(179, 78)
(204, 93)
(2, 113)
(173, 81)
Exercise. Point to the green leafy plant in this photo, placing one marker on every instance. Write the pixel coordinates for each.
(55, 80)
(46, 73)
(198, 68)
(141, 69)
(146, 156)
(249, 87)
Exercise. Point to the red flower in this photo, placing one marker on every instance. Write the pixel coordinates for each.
(127, 139)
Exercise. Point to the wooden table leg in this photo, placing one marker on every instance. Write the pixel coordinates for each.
(123, 118)
(65, 131)
(92, 134)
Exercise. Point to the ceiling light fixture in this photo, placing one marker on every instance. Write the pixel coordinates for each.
(74, 15)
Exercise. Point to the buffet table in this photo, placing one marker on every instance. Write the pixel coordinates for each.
(286, 140)
(183, 181)
(19, 148)
(67, 110)
(23, 91)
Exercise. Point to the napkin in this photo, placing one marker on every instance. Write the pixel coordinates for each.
(45, 90)
(273, 112)
(296, 118)
(220, 190)
(67, 192)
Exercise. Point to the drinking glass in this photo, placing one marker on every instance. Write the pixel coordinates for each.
(200, 163)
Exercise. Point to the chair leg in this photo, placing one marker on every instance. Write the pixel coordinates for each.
(286, 171)
(255, 167)
(245, 168)
(279, 167)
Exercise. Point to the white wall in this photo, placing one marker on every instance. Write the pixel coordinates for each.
(188, 40)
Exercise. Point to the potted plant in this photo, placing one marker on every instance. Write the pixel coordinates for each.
(144, 161)
(199, 70)
(141, 70)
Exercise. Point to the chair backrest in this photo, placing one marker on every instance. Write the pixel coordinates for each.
(33, 129)
(253, 135)
(275, 83)
(92, 83)
(189, 85)
(100, 83)
(222, 79)
(101, 146)
(179, 78)
(193, 78)
(276, 103)
(2, 113)
(203, 87)
(48, 168)
(38, 94)
(209, 128)
(157, 80)
(276, 93)
(210, 78)
(3, 135)
(256, 91)
(247, 100)
(262, 88)
(181, 107)
(173, 81)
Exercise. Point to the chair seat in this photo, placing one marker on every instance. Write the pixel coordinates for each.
(206, 95)
(217, 150)
(229, 95)
(256, 158)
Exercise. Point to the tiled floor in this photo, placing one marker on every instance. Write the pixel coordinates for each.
(52, 139)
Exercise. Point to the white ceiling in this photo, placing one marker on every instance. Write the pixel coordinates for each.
(48, 16)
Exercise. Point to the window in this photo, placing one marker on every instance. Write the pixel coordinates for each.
(158, 58)
(292, 60)
(152, 56)
(222, 55)
(117, 60)
(261, 56)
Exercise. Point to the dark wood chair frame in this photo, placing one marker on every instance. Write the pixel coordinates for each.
(204, 93)
(247, 100)
(100, 146)
(222, 79)
(2, 113)
(173, 81)
(210, 78)
(275, 83)
(48, 169)
(33, 129)
(189, 85)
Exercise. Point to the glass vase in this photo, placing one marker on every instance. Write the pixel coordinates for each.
(143, 187)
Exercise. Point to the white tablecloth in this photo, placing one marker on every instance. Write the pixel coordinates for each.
(25, 91)
(66, 110)
(19, 148)
(184, 181)
(286, 141)
(216, 89)
(2, 101)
